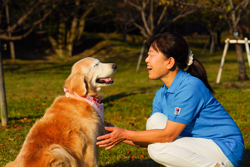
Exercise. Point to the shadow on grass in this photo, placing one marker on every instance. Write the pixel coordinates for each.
(33, 117)
(135, 163)
(112, 98)
(117, 96)
(246, 160)
(23, 122)
(123, 95)
(150, 162)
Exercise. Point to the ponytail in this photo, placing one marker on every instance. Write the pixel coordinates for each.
(197, 70)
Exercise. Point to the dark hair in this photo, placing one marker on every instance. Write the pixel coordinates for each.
(174, 45)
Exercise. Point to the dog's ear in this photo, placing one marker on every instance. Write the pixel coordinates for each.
(76, 83)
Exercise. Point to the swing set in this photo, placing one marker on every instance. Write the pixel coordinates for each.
(232, 41)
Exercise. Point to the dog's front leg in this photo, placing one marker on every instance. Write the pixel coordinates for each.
(91, 156)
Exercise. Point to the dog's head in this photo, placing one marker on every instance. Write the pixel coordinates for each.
(88, 76)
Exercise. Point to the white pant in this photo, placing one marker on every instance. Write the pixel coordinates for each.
(184, 151)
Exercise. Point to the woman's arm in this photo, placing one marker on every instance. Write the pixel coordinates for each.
(136, 144)
(117, 135)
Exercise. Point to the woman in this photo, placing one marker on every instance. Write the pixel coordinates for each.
(188, 127)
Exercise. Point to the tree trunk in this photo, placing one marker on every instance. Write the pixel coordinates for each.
(212, 43)
(219, 40)
(71, 36)
(238, 47)
(240, 58)
(63, 45)
(12, 49)
(125, 22)
(205, 46)
(59, 44)
(3, 105)
(61, 40)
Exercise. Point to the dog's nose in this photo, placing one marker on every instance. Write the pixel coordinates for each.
(114, 66)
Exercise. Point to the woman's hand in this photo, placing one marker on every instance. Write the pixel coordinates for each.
(115, 136)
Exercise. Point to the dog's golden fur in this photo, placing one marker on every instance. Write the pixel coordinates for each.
(66, 135)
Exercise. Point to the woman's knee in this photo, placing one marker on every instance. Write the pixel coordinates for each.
(155, 151)
(152, 151)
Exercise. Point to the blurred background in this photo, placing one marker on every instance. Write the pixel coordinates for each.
(34, 29)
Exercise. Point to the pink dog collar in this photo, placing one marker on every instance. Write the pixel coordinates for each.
(96, 103)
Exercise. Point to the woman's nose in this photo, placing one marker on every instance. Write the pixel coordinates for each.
(146, 60)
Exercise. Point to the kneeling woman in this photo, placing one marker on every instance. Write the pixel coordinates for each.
(188, 126)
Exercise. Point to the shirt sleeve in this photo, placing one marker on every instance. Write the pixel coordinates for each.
(188, 102)
(157, 107)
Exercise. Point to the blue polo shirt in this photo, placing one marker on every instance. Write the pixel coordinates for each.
(188, 101)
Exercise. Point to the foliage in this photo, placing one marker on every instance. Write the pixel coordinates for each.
(24, 17)
(31, 87)
(70, 23)
(155, 16)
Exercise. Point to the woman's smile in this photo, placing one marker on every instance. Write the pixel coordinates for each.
(149, 68)
(156, 64)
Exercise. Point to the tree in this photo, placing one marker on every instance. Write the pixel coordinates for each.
(232, 11)
(71, 18)
(213, 22)
(63, 20)
(154, 16)
(244, 25)
(110, 15)
(24, 17)
(233, 15)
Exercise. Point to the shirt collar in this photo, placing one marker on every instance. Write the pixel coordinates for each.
(176, 82)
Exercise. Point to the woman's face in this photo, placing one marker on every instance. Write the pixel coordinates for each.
(156, 64)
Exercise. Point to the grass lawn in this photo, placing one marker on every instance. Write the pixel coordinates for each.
(31, 87)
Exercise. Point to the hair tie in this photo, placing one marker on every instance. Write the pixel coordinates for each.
(190, 58)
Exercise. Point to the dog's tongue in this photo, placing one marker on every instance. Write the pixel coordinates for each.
(106, 79)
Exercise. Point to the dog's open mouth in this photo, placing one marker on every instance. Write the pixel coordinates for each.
(105, 80)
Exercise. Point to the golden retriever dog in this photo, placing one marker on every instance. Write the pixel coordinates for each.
(66, 135)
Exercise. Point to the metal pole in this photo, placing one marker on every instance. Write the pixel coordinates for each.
(247, 50)
(222, 60)
(141, 55)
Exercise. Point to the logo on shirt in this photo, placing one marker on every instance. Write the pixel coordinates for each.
(177, 111)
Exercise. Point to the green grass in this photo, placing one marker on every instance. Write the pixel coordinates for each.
(31, 87)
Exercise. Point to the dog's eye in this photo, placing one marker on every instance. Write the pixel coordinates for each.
(96, 65)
